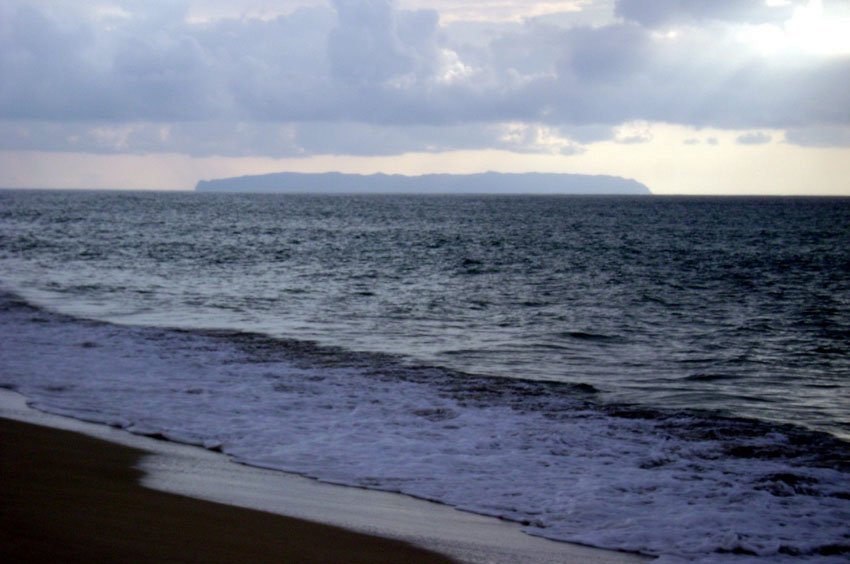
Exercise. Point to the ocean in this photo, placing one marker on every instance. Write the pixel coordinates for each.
(663, 375)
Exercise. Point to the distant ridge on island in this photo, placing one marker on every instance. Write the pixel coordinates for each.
(481, 183)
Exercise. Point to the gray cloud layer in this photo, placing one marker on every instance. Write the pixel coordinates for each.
(666, 12)
(348, 77)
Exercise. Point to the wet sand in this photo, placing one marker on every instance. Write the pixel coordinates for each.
(65, 497)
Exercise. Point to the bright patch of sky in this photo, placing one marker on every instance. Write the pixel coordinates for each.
(602, 86)
(811, 29)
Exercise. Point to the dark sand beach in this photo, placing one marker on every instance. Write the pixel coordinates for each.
(66, 497)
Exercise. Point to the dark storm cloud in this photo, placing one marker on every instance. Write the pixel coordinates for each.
(347, 78)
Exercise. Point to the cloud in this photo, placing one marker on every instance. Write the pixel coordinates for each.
(500, 10)
(633, 132)
(274, 139)
(666, 12)
(819, 136)
(753, 138)
(370, 77)
(374, 43)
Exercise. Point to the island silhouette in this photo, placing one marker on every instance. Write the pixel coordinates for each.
(480, 183)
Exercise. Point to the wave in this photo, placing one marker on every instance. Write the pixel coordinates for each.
(549, 455)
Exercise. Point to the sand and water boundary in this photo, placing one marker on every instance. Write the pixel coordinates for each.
(204, 475)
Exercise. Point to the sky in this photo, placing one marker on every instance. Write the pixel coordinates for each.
(686, 96)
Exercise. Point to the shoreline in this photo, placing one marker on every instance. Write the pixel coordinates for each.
(161, 468)
(67, 497)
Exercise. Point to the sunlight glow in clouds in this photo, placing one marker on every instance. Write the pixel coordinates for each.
(807, 31)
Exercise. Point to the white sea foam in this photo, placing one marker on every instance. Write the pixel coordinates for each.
(565, 468)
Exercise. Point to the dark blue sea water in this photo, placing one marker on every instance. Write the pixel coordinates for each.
(663, 375)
